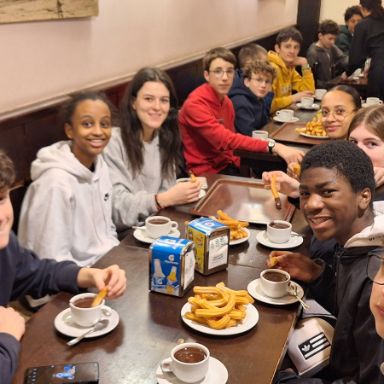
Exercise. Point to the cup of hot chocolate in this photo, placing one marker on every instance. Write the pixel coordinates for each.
(189, 362)
(279, 231)
(274, 282)
(82, 312)
(157, 226)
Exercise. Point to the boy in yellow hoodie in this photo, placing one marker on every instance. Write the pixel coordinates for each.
(284, 59)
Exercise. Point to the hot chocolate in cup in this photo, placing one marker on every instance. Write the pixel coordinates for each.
(279, 231)
(319, 93)
(274, 282)
(285, 114)
(307, 101)
(81, 311)
(189, 362)
(157, 226)
(373, 101)
(260, 134)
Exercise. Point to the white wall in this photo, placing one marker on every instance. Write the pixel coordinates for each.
(334, 9)
(45, 60)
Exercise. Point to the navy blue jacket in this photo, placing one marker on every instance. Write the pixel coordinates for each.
(251, 112)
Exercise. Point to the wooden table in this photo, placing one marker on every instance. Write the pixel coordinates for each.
(150, 324)
(255, 163)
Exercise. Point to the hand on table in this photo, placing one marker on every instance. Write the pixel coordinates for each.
(290, 155)
(299, 266)
(284, 183)
(12, 322)
(111, 277)
(180, 193)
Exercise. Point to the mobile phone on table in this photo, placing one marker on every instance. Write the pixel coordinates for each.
(71, 373)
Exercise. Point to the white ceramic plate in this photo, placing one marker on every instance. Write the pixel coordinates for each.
(65, 325)
(202, 179)
(293, 242)
(251, 319)
(141, 235)
(313, 107)
(313, 136)
(217, 374)
(255, 291)
(293, 120)
(242, 240)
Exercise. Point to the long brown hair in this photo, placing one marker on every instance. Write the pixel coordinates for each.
(372, 118)
(132, 130)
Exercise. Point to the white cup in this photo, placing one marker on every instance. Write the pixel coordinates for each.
(319, 93)
(260, 134)
(373, 101)
(274, 282)
(189, 362)
(85, 316)
(307, 101)
(279, 231)
(157, 226)
(285, 114)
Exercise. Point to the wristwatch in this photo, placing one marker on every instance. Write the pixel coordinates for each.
(271, 145)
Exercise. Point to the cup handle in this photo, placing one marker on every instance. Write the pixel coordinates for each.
(165, 365)
(174, 225)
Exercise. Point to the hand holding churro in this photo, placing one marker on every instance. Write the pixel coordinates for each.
(218, 307)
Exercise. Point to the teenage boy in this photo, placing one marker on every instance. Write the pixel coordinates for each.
(352, 16)
(285, 59)
(22, 272)
(325, 58)
(251, 91)
(207, 122)
(336, 188)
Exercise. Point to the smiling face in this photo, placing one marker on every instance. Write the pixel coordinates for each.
(288, 51)
(89, 130)
(220, 76)
(6, 217)
(330, 206)
(338, 109)
(371, 144)
(152, 105)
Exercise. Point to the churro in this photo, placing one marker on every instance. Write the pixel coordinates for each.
(275, 192)
(236, 227)
(99, 297)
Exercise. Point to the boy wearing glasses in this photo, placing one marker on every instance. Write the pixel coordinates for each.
(285, 59)
(336, 189)
(252, 99)
(207, 122)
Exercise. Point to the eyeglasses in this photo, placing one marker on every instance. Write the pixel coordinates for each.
(375, 266)
(261, 81)
(338, 113)
(219, 72)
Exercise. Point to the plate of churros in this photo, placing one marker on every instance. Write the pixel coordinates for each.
(220, 311)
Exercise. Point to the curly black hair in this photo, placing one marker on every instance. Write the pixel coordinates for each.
(347, 158)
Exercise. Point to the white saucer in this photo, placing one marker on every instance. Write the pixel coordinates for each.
(202, 193)
(313, 107)
(255, 291)
(365, 105)
(293, 242)
(250, 320)
(64, 324)
(293, 120)
(242, 240)
(217, 374)
(141, 235)
(202, 179)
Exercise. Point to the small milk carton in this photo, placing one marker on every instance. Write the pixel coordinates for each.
(211, 240)
(171, 265)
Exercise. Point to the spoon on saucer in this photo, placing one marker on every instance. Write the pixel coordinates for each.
(101, 324)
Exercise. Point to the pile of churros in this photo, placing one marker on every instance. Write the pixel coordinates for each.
(236, 227)
(314, 127)
(218, 307)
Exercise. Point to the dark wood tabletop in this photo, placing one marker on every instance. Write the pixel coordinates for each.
(150, 323)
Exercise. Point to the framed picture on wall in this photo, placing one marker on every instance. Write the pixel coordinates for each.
(13, 11)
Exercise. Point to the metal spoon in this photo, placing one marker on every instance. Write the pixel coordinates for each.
(292, 290)
(101, 324)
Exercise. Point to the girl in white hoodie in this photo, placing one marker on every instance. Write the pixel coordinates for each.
(67, 210)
